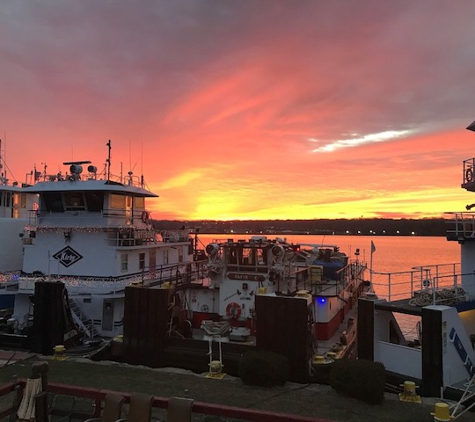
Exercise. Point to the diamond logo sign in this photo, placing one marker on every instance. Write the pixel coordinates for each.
(67, 256)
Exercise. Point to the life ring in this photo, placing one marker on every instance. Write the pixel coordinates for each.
(469, 175)
(233, 310)
(145, 217)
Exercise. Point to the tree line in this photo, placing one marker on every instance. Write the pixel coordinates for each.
(361, 226)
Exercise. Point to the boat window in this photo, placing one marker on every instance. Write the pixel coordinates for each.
(261, 256)
(139, 202)
(74, 201)
(52, 202)
(232, 255)
(94, 201)
(247, 257)
(23, 200)
(6, 199)
(117, 201)
(124, 262)
(141, 260)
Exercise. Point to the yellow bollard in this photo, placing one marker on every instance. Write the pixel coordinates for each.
(409, 387)
(409, 393)
(59, 352)
(215, 367)
(441, 413)
(318, 360)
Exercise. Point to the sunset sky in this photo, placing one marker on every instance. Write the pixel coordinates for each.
(248, 109)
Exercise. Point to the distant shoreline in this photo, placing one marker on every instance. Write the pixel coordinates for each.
(357, 227)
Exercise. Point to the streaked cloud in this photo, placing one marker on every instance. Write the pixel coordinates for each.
(360, 140)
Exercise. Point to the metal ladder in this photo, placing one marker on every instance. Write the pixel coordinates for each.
(85, 323)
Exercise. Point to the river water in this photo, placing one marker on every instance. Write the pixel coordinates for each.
(392, 254)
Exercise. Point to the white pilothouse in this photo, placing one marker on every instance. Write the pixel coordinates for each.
(93, 232)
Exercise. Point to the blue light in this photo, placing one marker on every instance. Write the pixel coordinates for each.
(322, 300)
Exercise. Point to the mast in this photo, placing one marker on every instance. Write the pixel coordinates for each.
(3, 169)
(108, 161)
(1, 160)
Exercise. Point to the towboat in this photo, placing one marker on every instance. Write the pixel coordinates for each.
(15, 207)
(92, 234)
(241, 270)
(259, 293)
(439, 357)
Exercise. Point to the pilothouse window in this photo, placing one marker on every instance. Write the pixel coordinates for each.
(74, 201)
(117, 201)
(139, 202)
(6, 199)
(52, 202)
(94, 201)
(247, 257)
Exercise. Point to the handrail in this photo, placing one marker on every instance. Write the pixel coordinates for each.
(426, 278)
(160, 402)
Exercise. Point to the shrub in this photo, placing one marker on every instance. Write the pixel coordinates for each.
(264, 369)
(361, 379)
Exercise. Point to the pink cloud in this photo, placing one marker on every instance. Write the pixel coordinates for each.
(224, 102)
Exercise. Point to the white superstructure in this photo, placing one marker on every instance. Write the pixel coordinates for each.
(15, 206)
(94, 233)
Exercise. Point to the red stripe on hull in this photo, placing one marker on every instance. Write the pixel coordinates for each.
(326, 330)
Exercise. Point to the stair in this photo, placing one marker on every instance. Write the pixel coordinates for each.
(85, 323)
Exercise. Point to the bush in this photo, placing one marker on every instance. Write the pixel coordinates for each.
(264, 369)
(361, 379)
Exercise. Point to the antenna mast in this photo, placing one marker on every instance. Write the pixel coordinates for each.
(109, 160)
(142, 183)
(1, 162)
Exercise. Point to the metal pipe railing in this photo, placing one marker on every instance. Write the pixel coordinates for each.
(97, 396)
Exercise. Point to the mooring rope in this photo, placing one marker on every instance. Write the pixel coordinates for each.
(443, 296)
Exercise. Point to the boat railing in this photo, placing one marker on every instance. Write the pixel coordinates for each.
(173, 236)
(461, 226)
(8, 280)
(81, 217)
(182, 273)
(401, 285)
(351, 274)
(348, 278)
(128, 180)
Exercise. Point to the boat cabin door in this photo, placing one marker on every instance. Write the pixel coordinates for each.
(108, 315)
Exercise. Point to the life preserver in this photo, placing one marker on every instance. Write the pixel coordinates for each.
(233, 310)
(469, 175)
(145, 217)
